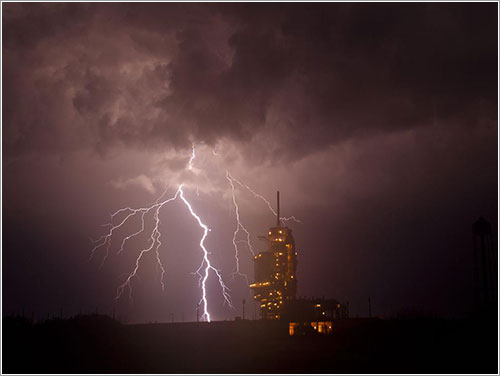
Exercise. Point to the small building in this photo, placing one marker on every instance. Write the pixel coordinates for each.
(310, 327)
(309, 316)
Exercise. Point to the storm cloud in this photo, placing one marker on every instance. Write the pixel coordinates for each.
(156, 75)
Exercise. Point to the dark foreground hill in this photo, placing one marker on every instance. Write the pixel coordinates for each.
(98, 344)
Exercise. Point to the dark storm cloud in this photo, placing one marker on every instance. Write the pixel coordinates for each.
(93, 75)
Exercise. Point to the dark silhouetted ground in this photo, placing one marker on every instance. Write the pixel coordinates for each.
(98, 344)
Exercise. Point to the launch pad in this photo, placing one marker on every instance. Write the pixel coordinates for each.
(275, 286)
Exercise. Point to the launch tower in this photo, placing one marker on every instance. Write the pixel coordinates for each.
(275, 279)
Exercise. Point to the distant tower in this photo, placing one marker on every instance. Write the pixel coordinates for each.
(484, 265)
(275, 279)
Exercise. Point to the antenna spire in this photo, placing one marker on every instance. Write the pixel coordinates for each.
(278, 211)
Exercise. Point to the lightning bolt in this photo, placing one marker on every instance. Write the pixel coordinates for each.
(239, 226)
(285, 219)
(206, 263)
(191, 159)
(154, 244)
(105, 240)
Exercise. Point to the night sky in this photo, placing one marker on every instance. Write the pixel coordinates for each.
(377, 123)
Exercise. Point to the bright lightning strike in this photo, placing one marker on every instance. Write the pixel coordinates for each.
(154, 245)
(206, 263)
